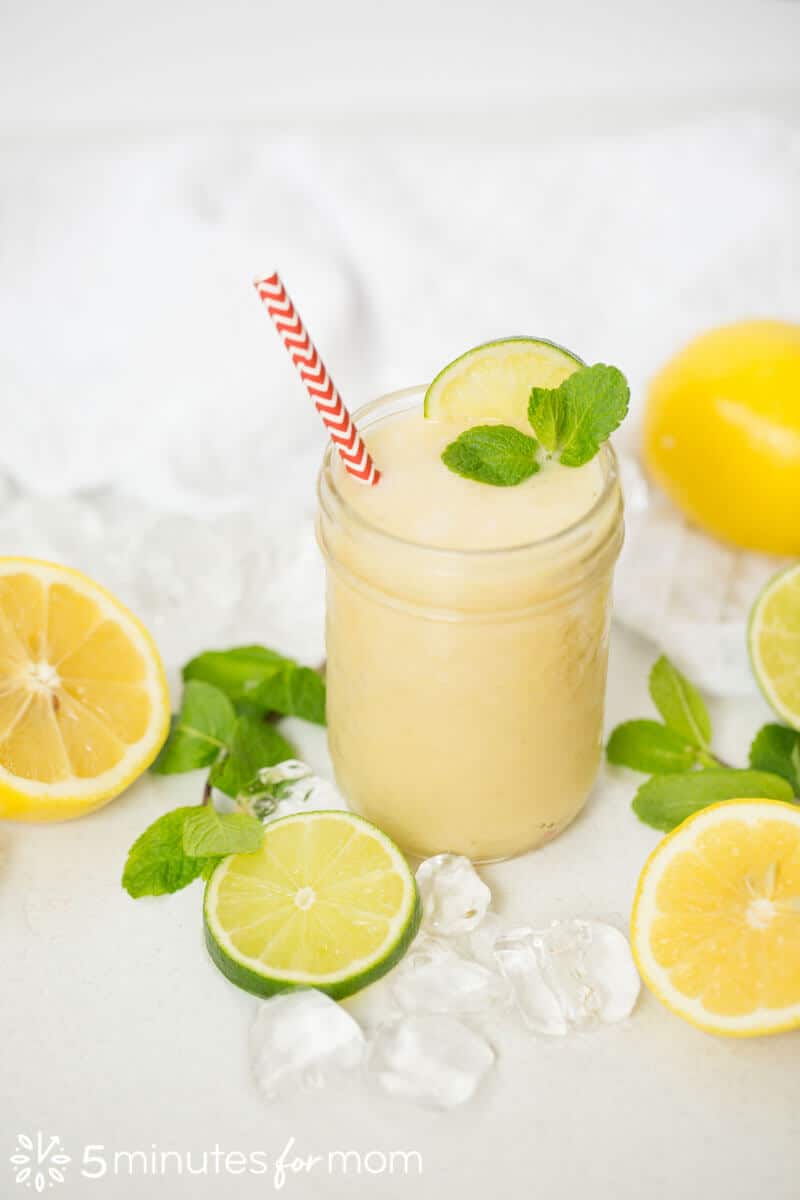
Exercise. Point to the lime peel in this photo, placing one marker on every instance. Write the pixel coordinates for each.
(494, 380)
(327, 902)
(774, 643)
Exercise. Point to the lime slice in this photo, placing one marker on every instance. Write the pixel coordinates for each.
(327, 902)
(774, 639)
(495, 380)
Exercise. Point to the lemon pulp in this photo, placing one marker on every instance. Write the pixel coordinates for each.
(83, 701)
(716, 920)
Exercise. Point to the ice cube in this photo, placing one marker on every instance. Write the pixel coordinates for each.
(454, 897)
(479, 942)
(299, 1039)
(541, 1009)
(289, 787)
(575, 974)
(434, 1061)
(308, 793)
(435, 978)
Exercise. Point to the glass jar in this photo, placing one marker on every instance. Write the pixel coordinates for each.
(466, 687)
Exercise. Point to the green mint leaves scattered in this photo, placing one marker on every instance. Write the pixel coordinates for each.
(185, 844)
(253, 745)
(157, 862)
(650, 746)
(200, 731)
(207, 833)
(496, 454)
(666, 800)
(570, 422)
(261, 681)
(680, 704)
(574, 419)
(225, 724)
(777, 749)
(681, 743)
(687, 775)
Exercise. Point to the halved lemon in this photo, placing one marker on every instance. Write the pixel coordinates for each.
(495, 380)
(716, 919)
(84, 706)
(327, 902)
(774, 639)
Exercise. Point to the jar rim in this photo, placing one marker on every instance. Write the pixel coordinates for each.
(326, 479)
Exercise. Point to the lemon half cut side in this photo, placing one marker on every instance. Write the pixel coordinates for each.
(84, 706)
(716, 919)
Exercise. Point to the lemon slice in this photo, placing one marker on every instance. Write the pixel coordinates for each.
(495, 380)
(327, 902)
(84, 706)
(716, 919)
(774, 638)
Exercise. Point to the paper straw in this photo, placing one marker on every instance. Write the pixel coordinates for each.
(320, 386)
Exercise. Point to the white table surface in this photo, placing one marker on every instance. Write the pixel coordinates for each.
(118, 1031)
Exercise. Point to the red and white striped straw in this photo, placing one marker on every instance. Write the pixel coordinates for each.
(320, 386)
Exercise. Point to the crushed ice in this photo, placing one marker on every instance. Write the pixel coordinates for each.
(418, 1034)
(299, 1039)
(454, 897)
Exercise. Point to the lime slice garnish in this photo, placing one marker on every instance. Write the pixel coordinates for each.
(774, 639)
(495, 380)
(327, 902)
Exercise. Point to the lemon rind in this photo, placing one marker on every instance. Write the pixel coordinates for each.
(761, 1021)
(52, 800)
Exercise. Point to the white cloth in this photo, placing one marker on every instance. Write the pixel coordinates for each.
(137, 364)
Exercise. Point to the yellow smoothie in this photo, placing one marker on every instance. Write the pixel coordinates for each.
(467, 630)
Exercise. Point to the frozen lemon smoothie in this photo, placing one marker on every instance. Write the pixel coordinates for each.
(467, 633)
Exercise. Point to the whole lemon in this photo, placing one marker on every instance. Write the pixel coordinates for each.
(722, 433)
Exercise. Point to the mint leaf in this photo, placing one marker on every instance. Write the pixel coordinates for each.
(292, 691)
(157, 863)
(496, 454)
(666, 800)
(679, 703)
(254, 744)
(199, 732)
(777, 749)
(207, 832)
(547, 413)
(236, 672)
(574, 419)
(650, 747)
(259, 680)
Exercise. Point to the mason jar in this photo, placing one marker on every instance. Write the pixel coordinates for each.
(466, 687)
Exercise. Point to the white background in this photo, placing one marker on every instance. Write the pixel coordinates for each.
(426, 175)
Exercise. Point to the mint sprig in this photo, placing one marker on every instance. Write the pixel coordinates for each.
(225, 723)
(253, 746)
(666, 800)
(680, 704)
(570, 422)
(650, 746)
(157, 862)
(687, 774)
(574, 419)
(777, 749)
(200, 731)
(207, 833)
(259, 680)
(496, 454)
